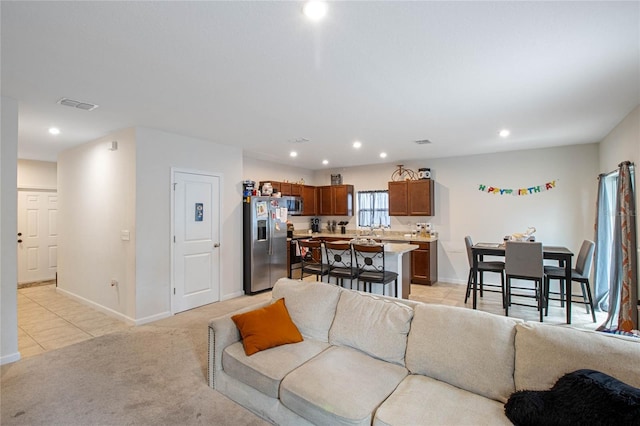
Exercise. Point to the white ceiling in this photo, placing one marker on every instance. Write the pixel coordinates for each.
(260, 75)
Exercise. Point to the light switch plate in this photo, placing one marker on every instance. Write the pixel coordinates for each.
(125, 235)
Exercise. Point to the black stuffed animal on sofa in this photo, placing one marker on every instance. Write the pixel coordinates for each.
(583, 397)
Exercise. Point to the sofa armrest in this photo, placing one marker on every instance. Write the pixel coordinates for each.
(222, 333)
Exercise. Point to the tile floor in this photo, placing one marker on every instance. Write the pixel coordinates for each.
(48, 320)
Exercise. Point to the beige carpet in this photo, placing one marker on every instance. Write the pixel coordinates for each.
(148, 375)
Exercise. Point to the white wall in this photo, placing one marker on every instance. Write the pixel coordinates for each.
(157, 153)
(34, 174)
(96, 198)
(8, 229)
(563, 216)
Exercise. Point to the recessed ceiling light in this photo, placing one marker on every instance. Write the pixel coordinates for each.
(357, 144)
(293, 154)
(315, 10)
(325, 162)
(383, 155)
(504, 133)
(54, 130)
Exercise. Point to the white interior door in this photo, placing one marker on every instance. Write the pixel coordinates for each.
(37, 236)
(196, 259)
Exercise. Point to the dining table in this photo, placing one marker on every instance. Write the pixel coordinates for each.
(561, 254)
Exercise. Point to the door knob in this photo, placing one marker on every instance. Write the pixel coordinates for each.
(19, 234)
(216, 245)
(19, 241)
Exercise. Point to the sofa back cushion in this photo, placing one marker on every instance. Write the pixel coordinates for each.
(311, 305)
(375, 326)
(544, 353)
(469, 349)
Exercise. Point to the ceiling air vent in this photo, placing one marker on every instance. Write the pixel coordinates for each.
(423, 142)
(77, 104)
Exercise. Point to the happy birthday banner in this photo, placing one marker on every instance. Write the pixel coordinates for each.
(520, 191)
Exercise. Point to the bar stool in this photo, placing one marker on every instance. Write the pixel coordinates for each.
(312, 259)
(370, 266)
(340, 262)
(579, 274)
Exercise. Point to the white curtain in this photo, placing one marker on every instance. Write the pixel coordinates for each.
(373, 208)
(605, 218)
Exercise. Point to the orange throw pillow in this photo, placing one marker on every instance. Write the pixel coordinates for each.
(266, 328)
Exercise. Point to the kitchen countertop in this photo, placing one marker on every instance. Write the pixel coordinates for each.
(390, 237)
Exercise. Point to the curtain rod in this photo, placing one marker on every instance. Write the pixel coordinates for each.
(630, 163)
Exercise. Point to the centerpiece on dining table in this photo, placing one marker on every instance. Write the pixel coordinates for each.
(526, 236)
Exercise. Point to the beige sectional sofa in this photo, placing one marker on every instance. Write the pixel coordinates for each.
(369, 359)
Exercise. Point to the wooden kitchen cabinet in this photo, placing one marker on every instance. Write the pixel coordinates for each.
(309, 203)
(411, 198)
(424, 263)
(335, 200)
(285, 188)
(398, 199)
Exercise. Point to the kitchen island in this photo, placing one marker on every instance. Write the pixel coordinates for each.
(422, 261)
(396, 260)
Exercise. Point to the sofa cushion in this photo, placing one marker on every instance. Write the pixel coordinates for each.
(544, 353)
(265, 370)
(311, 305)
(340, 386)
(266, 327)
(421, 400)
(470, 349)
(378, 327)
(579, 397)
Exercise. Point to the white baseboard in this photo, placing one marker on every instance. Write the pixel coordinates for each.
(452, 280)
(98, 307)
(152, 318)
(232, 296)
(7, 359)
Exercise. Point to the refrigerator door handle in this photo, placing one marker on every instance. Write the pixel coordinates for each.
(269, 235)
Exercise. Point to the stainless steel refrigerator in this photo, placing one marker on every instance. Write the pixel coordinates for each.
(265, 242)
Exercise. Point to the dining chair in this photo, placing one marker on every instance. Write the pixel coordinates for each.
(340, 261)
(312, 260)
(371, 267)
(483, 266)
(524, 261)
(579, 274)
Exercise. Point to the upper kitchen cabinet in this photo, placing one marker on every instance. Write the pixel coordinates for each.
(335, 200)
(309, 199)
(411, 198)
(285, 188)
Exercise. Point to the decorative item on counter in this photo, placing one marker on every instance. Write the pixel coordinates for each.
(424, 173)
(343, 226)
(402, 173)
(336, 179)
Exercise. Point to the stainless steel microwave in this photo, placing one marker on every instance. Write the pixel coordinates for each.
(294, 205)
